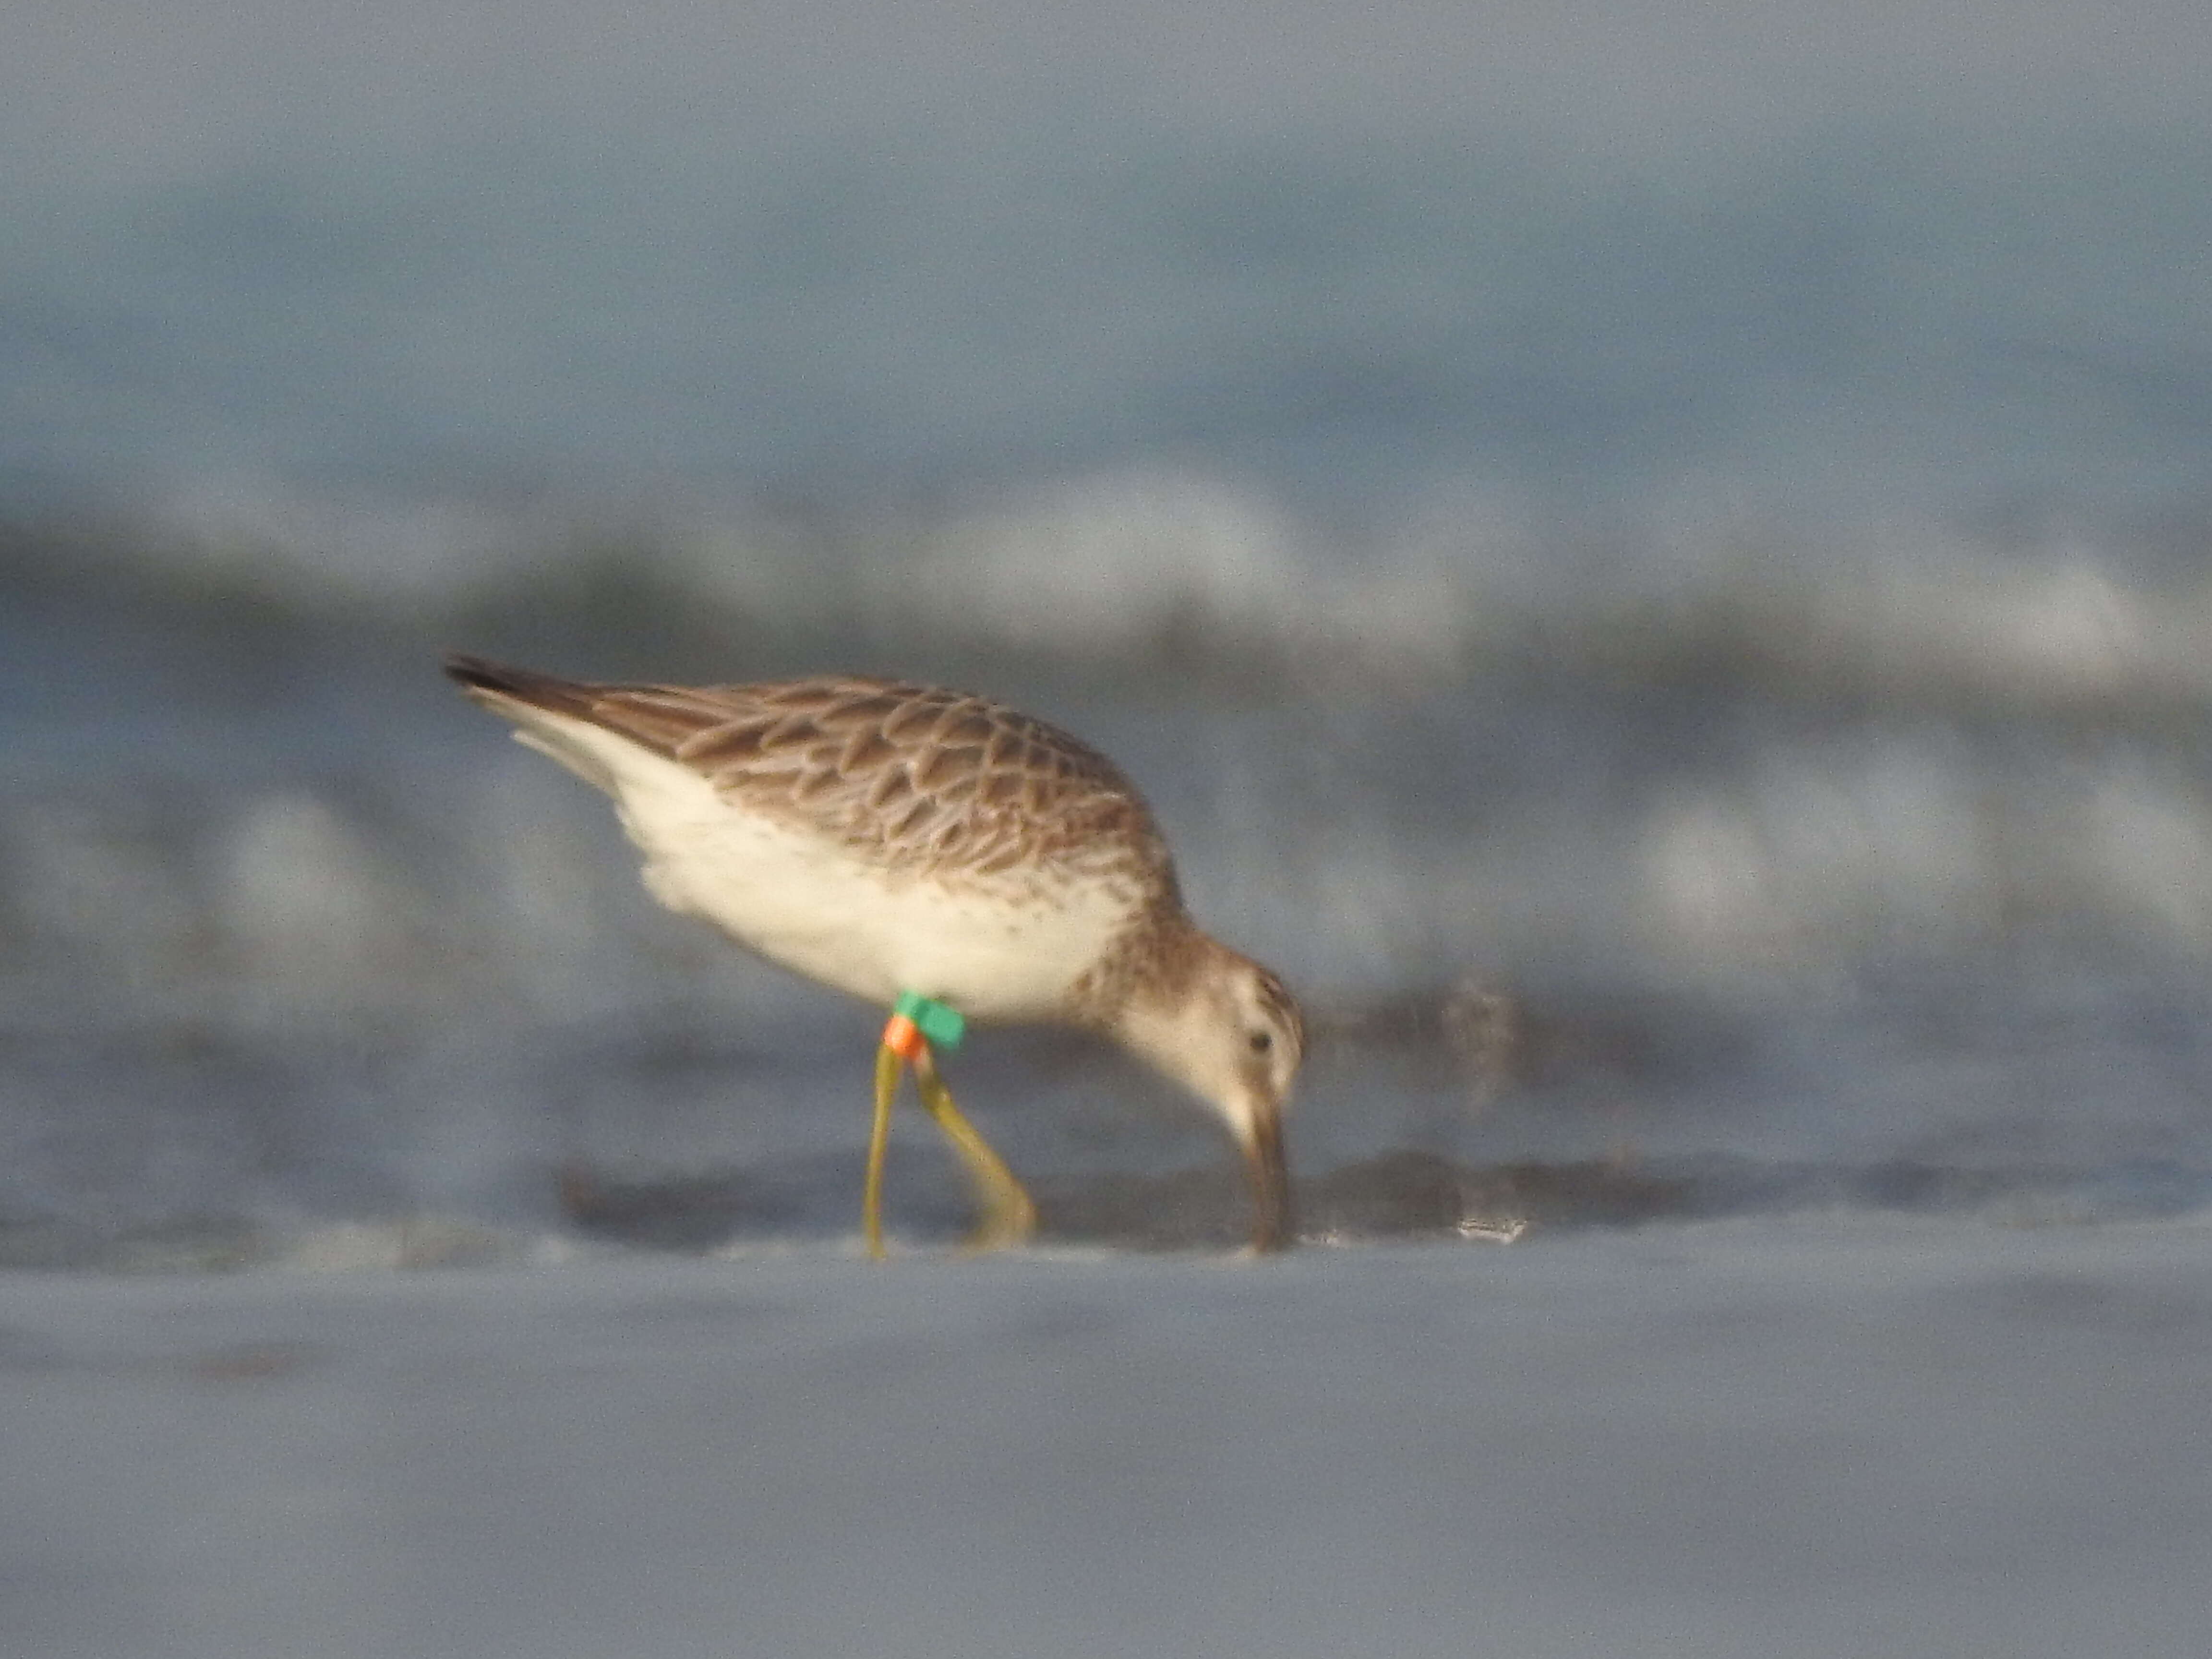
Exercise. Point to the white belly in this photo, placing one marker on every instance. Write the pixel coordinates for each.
(809, 904)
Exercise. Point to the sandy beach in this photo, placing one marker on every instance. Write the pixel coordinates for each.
(1848, 1435)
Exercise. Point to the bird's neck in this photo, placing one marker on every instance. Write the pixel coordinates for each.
(1154, 1011)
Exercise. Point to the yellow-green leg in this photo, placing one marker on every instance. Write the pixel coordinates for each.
(888, 1065)
(1009, 1217)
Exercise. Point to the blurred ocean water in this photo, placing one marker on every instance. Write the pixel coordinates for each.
(1609, 907)
(1693, 659)
(1650, 555)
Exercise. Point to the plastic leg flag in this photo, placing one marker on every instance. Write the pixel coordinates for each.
(1008, 1215)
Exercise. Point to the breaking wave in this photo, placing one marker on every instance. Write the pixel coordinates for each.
(1763, 874)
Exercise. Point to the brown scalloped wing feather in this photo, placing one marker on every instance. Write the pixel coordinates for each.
(915, 774)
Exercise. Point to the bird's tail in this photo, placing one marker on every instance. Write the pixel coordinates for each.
(499, 687)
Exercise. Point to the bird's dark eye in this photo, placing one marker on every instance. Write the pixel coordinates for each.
(1262, 1042)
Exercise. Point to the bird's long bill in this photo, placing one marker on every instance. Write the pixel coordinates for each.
(1274, 1226)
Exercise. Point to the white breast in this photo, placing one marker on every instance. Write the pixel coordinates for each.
(1008, 950)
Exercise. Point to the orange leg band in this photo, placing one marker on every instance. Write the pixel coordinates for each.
(904, 1038)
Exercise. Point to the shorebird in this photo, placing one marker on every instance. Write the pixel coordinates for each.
(938, 854)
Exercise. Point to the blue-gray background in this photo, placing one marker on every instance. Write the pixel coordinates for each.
(1651, 556)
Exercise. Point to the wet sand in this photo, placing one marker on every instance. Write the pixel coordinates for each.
(1807, 1435)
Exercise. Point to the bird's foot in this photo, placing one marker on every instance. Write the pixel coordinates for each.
(1009, 1217)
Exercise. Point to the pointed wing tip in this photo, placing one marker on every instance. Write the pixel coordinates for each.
(480, 672)
(489, 682)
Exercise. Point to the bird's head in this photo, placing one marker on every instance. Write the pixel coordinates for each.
(1225, 1028)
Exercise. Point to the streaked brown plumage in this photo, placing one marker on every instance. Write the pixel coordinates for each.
(883, 837)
